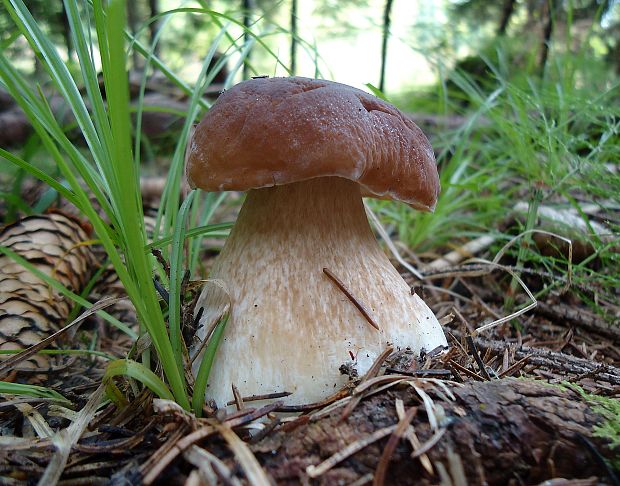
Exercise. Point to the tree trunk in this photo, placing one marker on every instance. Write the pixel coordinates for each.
(154, 26)
(248, 9)
(507, 11)
(293, 37)
(386, 32)
(551, 11)
(66, 31)
(496, 432)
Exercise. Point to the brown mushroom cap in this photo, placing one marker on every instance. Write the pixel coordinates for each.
(273, 131)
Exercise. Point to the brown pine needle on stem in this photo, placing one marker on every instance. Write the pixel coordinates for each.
(350, 296)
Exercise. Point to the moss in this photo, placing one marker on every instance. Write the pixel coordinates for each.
(609, 428)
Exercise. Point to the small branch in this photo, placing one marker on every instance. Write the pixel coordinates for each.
(250, 415)
(170, 450)
(552, 360)
(238, 399)
(469, 249)
(515, 367)
(313, 406)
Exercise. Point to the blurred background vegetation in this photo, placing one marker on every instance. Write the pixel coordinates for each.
(393, 44)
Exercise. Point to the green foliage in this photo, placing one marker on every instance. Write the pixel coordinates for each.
(108, 171)
(537, 138)
(590, 26)
(111, 175)
(610, 428)
(138, 371)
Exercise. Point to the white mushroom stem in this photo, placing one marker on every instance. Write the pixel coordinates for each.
(291, 327)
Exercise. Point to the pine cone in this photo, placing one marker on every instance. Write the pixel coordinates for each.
(108, 285)
(30, 310)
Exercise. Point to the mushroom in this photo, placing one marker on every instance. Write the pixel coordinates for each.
(310, 287)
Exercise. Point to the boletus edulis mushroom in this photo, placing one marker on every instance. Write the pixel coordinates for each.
(307, 150)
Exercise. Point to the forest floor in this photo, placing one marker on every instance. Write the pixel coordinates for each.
(527, 401)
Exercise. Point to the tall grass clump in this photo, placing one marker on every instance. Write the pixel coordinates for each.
(103, 180)
(537, 139)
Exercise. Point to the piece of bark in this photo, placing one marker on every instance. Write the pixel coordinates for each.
(499, 432)
(581, 318)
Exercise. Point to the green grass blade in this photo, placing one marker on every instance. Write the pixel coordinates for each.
(7, 388)
(171, 193)
(111, 31)
(202, 377)
(83, 48)
(137, 371)
(53, 137)
(39, 174)
(212, 201)
(176, 277)
(218, 230)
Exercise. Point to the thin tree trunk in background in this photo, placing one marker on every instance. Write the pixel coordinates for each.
(614, 57)
(248, 7)
(133, 20)
(386, 33)
(293, 36)
(66, 31)
(550, 7)
(154, 26)
(507, 11)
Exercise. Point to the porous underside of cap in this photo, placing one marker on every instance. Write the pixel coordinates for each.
(273, 131)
